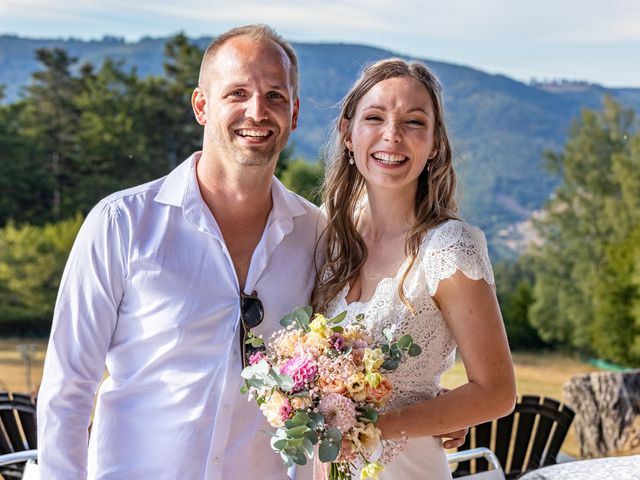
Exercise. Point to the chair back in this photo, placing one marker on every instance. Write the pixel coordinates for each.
(17, 429)
(528, 438)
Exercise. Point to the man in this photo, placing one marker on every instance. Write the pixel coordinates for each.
(153, 287)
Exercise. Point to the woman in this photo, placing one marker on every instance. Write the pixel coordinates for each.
(397, 253)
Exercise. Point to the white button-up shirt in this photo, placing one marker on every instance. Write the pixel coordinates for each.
(150, 290)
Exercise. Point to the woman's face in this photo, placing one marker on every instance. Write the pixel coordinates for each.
(392, 133)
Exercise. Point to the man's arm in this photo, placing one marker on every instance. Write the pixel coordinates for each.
(83, 324)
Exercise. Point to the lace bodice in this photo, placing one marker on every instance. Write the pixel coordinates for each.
(452, 246)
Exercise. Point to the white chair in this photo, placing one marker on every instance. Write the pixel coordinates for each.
(26, 456)
(465, 455)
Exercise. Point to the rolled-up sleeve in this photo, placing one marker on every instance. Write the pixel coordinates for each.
(84, 320)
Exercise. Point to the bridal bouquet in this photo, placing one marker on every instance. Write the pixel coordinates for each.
(320, 383)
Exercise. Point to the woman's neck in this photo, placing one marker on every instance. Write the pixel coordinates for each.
(387, 215)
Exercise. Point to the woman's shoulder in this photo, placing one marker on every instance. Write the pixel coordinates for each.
(455, 245)
(454, 232)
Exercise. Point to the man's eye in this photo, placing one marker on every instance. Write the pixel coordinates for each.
(275, 95)
(237, 93)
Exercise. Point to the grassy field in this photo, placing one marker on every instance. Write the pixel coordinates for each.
(537, 374)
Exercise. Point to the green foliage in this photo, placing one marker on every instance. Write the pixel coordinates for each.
(586, 290)
(304, 178)
(32, 259)
(514, 282)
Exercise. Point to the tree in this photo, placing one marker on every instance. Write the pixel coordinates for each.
(514, 283)
(304, 178)
(51, 121)
(32, 259)
(591, 217)
(21, 174)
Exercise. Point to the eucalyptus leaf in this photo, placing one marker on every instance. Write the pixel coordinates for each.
(301, 317)
(338, 318)
(287, 320)
(391, 364)
(262, 367)
(368, 413)
(317, 420)
(388, 334)
(255, 383)
(328, 451)
(247, 372)
(334, 435)
(296, 432)
(279, 444)
(302, 417)
(299, 457)
(307, 446)
(311, 436)
(337, 329)
(294, 422)
(404, 342)
(414, 350)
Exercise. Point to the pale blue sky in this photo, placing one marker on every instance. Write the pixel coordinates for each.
(593, 40)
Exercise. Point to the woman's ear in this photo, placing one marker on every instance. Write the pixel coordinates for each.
(345, 132)
(433, 154)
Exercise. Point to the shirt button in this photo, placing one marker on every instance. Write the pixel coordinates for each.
(216, 460)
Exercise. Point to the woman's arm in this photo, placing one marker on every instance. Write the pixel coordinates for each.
(471, 310)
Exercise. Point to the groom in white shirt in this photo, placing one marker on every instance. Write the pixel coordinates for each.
(153, 284)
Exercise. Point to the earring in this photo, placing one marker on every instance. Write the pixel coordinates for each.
(352, 159)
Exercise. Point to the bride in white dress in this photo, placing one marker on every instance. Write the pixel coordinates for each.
(398, 254)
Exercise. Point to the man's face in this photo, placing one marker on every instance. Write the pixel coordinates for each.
(247, 107)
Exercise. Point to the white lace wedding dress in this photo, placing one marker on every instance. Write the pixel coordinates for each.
(452, 246)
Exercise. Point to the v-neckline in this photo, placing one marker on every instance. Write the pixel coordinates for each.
(347, 287)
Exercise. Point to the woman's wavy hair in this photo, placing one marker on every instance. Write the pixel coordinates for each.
(344, 187)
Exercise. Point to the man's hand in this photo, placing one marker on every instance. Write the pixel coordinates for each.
(453, 439)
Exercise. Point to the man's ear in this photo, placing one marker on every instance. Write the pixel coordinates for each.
(296, 111)
(198, 103)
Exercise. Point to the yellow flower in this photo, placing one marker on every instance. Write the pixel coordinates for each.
(373, 359)
(371, 470)
(356, 387)
(316, 342)
(373, 379)
(272, 408)
(301, 403)
(319, 325)
(284, 345)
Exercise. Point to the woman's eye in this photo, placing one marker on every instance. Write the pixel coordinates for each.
(373, 118)
(416, 122)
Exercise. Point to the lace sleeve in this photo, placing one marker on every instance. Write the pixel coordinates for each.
(456, 245)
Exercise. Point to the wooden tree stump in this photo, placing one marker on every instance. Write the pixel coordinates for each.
(607, 406)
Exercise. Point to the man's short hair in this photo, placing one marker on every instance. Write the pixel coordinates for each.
(256, 32)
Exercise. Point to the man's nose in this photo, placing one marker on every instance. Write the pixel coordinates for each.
(256, 108)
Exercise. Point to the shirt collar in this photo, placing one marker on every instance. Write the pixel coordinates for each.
(180, 189)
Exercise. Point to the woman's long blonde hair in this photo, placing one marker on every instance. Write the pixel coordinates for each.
(344, 187)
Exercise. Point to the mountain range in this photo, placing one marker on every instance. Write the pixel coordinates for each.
(500, 126)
